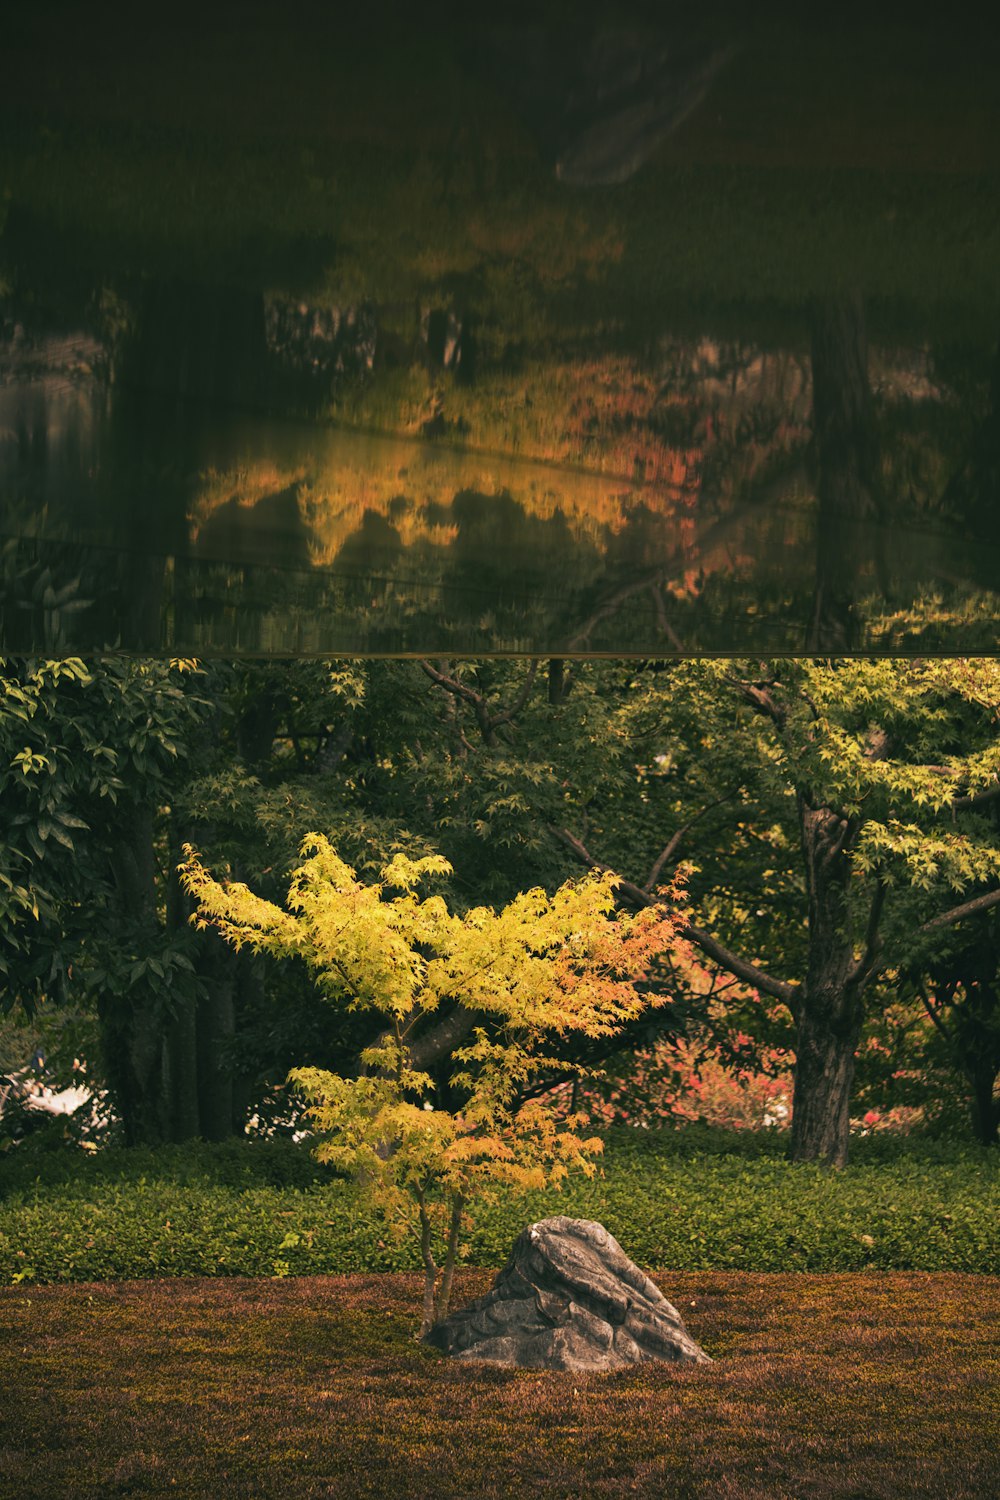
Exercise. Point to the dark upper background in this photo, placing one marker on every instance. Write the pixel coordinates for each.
(609, 328)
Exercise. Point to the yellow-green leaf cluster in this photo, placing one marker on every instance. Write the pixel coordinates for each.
(541, 968)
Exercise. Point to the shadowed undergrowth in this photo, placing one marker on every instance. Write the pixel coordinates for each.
(863, 1386)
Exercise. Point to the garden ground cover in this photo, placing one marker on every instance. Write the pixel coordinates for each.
(689, 1199)
(870, 1386)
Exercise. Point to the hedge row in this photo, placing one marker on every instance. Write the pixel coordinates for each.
(677, 1201)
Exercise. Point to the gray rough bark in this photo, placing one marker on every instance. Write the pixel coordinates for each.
(830, 1007)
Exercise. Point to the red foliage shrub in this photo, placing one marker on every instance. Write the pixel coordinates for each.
(688, 1080)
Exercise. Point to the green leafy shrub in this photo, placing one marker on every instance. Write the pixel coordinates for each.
(677, 1200)
(236, 1164)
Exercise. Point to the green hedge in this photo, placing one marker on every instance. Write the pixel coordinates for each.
(685, 1200)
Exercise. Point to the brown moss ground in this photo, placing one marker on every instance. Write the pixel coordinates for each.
(863, 1387)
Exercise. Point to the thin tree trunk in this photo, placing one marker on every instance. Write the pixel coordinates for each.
(443, 1297)
(973, 1039)
(215, 1031)
(250, 995)
(143, 1111)
(847, 461)
(437, 1292)
(201, 1082)
(180, 1043)
(132, 1027)
(831, 1006)
(985, 1109)
(180, 1050)
(430, 1266)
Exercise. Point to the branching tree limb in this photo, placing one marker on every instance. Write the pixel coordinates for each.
(848, 832)
(609, 607)
(966, 909)
(868, 962)
(515, 708)
(970, 799)
(760, 698)
(444, 1037)
(634, 893)
(935, 1015)
(460, 689)
(976, 799)
(672, 845)
(488, 722)
(740, 968)
(661, 619)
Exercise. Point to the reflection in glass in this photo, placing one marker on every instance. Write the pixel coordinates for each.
(625, 337)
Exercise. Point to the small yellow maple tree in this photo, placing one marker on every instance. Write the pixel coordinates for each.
(542, 967)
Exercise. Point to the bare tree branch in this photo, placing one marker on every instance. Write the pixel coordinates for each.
(967, 909)
(442, 1039)
(609, 606)
(866, 965)
(488, 723)
(460, 689)
(740, 968)
(667, 852)
(972, 799)
(976, 799)
(934, 1015)
(520, 700)
(451, 684)
(758, 695)
(661, 619)
(670, 847)
(635, 893)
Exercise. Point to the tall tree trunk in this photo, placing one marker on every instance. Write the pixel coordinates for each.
(216, 1028)
(132, 1029)
(180, 1069)
(978, 1038)
(831, 1006)
(985, 1108)
(846, 449)
(180, 1039)
(250, 995)
(202, 1031)
(148, 1125)
(827, 1041)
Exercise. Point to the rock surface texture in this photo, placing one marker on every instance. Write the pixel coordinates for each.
(569, 1298)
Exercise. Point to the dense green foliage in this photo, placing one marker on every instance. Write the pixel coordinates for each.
(684, 1200)
(839, 819)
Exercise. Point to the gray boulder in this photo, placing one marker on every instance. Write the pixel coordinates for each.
(569, 1298)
